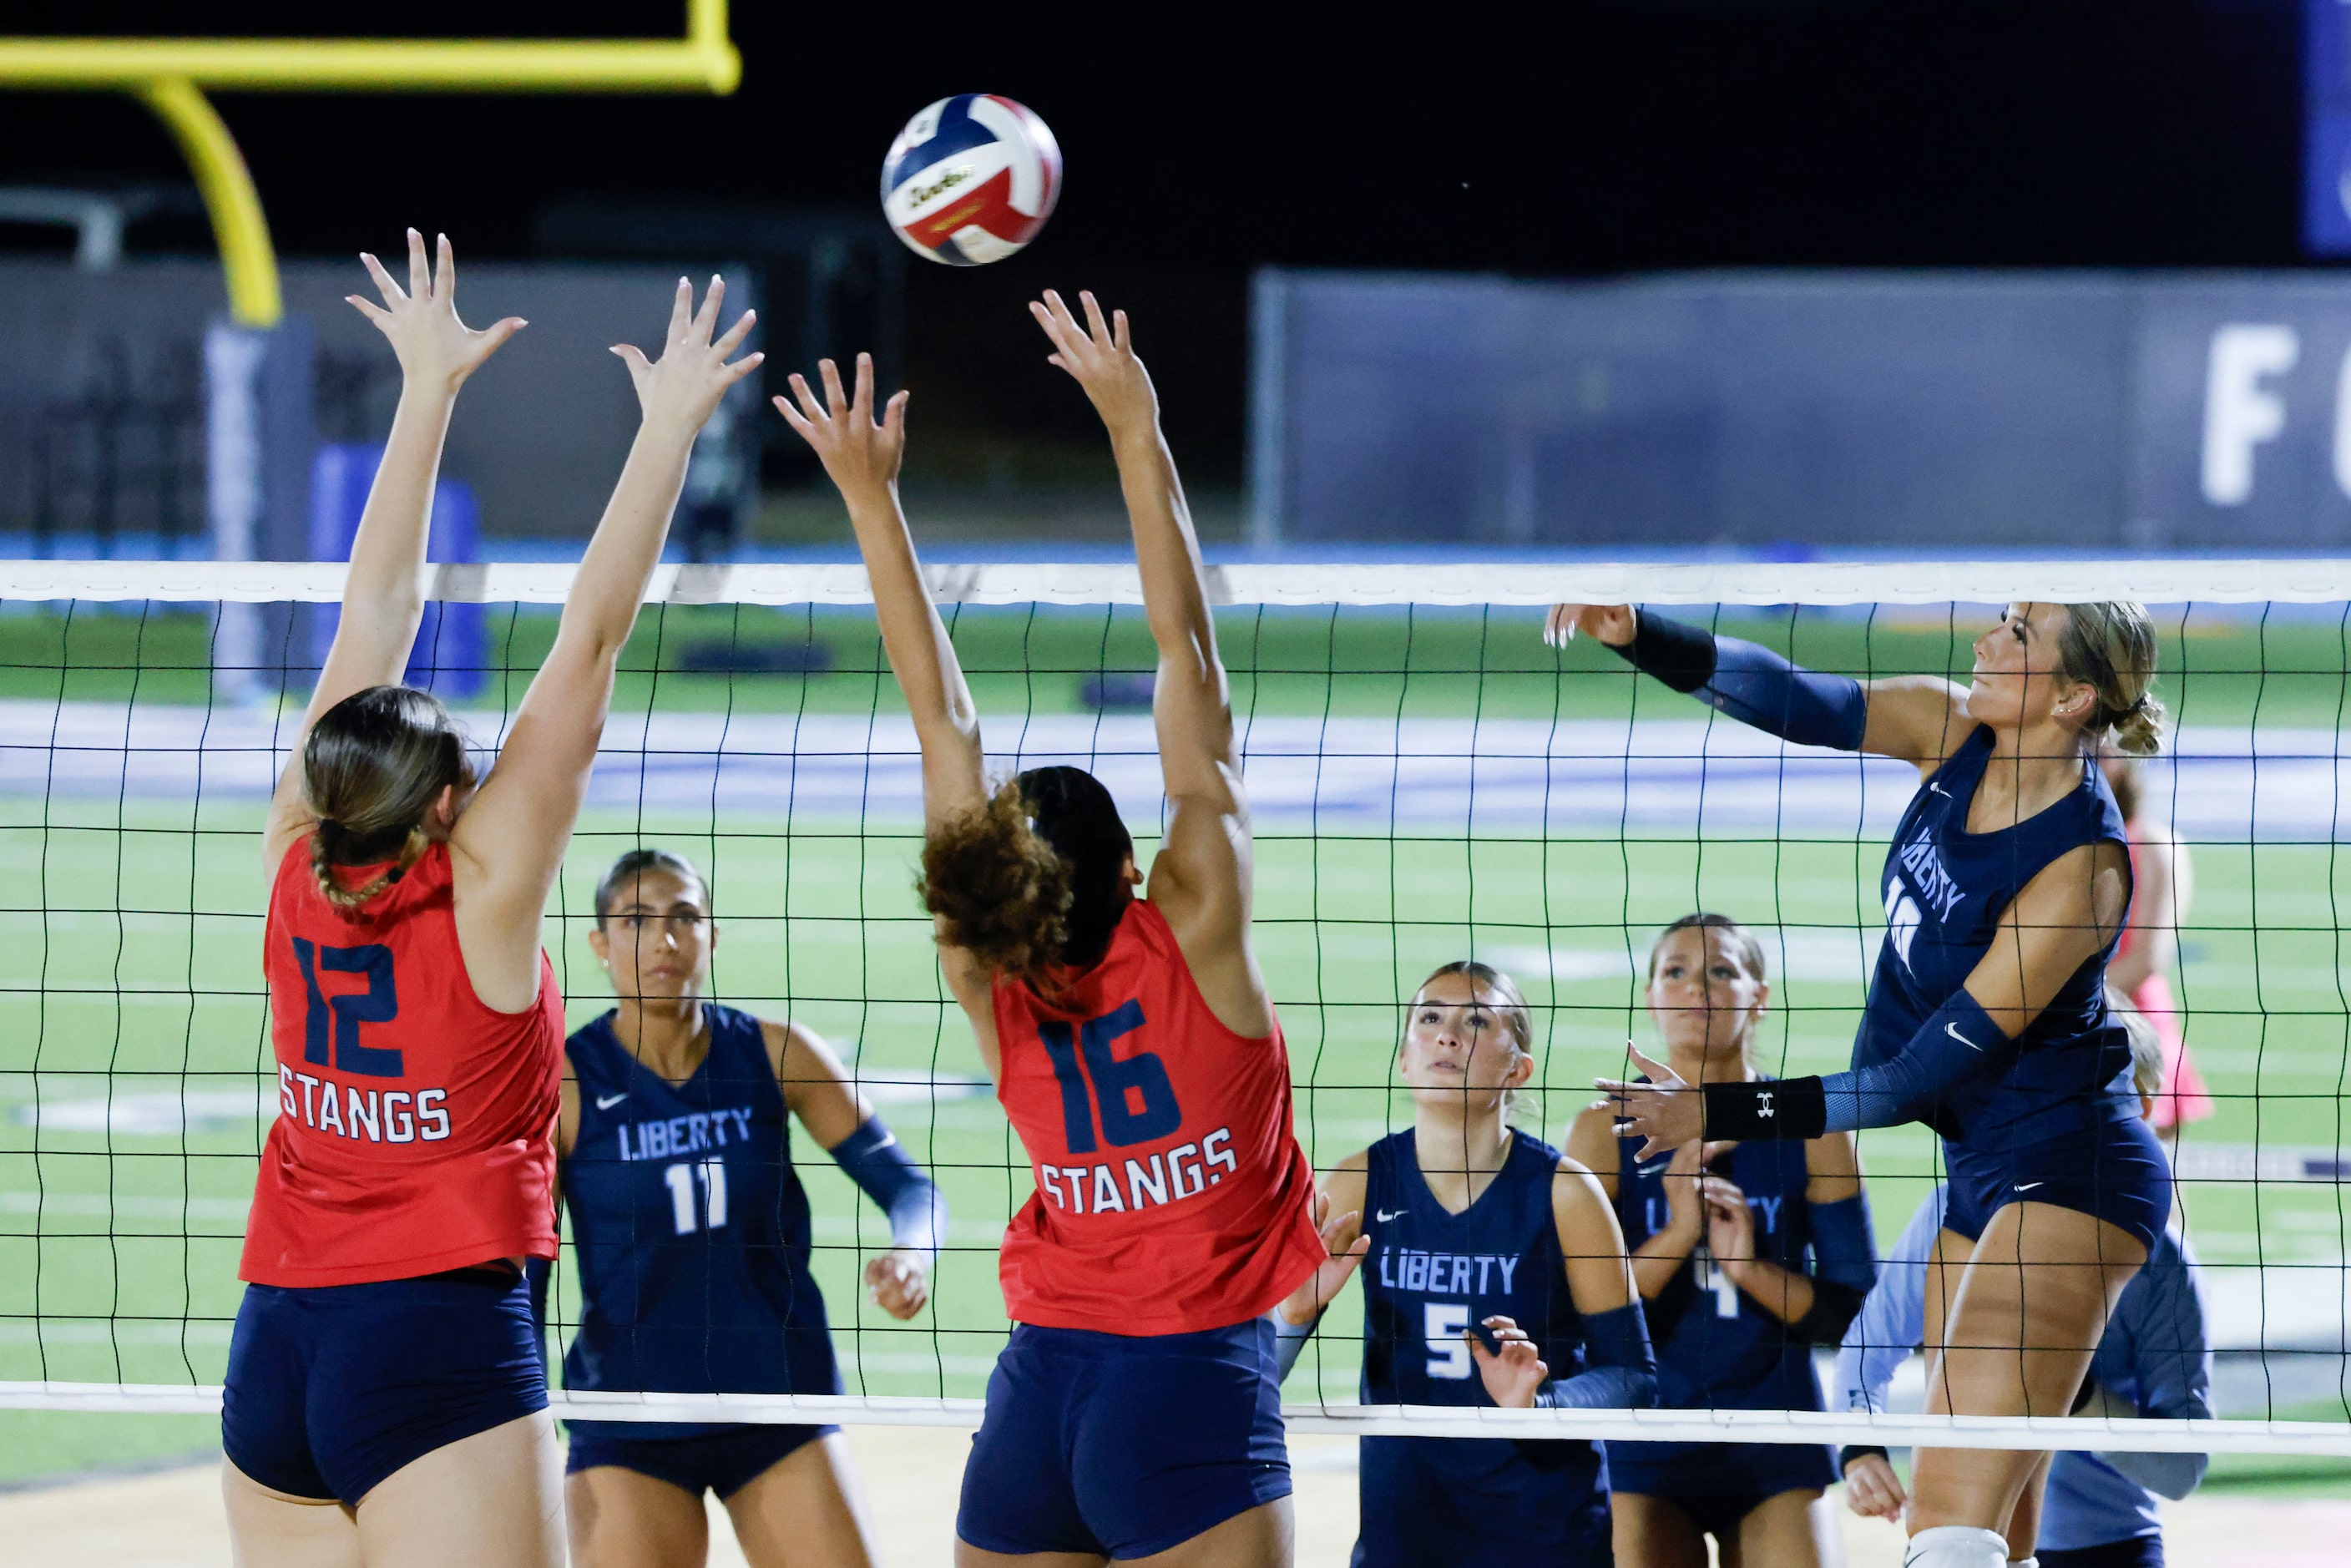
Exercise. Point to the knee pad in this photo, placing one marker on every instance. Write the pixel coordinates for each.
(1957, 1546)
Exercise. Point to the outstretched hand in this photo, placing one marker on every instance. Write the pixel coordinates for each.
(1513, 1374)
(1101, 357)
(682, 388)
(434, 349)
(1611, 624)
(858, 451)
(1344, 1246)
(1665, 1111)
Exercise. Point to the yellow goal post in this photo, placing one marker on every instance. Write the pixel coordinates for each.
(169, 75)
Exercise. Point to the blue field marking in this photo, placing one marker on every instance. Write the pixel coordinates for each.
(1354, 775)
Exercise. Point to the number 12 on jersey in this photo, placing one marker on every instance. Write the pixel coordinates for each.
(681, 1177)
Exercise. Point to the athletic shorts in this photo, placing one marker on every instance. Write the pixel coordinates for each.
(2116, 1172)
(1122, 1445)
(1719, 1484)
(2134, 1551)
(333, 1388)
(1481, 1502)
(722, 1459)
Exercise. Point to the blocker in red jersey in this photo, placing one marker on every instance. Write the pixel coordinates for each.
(971, 180)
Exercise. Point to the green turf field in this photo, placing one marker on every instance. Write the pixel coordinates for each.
(117, 1242)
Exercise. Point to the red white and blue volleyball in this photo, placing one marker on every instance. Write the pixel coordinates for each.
(971, 180)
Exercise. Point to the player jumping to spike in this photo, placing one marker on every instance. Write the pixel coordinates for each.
(1135, 1414)
(2006, 887)
(1464, 1220)
(383, 1356)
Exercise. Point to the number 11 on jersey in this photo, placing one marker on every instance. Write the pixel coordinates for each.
(680, 1178)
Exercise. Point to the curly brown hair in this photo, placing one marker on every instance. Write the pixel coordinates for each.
(996, 888)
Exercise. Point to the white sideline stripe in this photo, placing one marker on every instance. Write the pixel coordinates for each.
(2035, 1432)
(1346, 582)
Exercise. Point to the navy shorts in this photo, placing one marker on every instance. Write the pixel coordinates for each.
(1719, 1484)
(2134, 1551)
(2115, 1171)
(333, 1388)
(722, 1459)
(1120, 1446)
(1481, 1502)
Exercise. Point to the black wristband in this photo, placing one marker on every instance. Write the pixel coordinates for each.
(1834, 1308)
(1781, 1108)
(1680, 655)
(1846, 1456)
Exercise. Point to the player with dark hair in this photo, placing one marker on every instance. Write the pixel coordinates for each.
(2006, 887)
(691, 1230)
(1460, 1223)
(385, 1400)
(1136, 1412)
(1748, 1255)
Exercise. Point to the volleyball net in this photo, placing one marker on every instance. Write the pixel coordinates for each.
(1428, 782)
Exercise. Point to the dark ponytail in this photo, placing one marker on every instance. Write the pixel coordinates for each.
(372, 768)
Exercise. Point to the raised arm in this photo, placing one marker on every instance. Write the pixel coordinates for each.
(509, 844)
(1201, 877)
(861, 458)
(1920, 719)
(383, 596)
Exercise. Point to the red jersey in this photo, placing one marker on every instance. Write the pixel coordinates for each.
(1172, 1196)
(415, 1124)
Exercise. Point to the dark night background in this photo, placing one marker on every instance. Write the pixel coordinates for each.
(1202, 141)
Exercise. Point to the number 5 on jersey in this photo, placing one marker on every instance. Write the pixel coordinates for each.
(1449, 1352)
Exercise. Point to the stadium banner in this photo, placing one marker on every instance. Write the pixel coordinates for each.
(1793, 411)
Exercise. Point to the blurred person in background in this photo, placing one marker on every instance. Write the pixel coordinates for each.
(2099, 1508)
(2163, 882)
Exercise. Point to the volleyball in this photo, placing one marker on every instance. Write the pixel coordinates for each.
(971, 180)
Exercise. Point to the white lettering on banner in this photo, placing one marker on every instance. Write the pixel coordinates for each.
(1185, 1171)
(2240, 412)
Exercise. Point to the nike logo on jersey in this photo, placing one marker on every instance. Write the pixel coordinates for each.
(606, 1102)
(1387, 1216)
(1953, 1031)
(1939, 790)
(1654, 1166)
(2027, 1186)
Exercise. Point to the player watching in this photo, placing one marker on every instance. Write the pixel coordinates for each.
(1135, 1413)
(385, 1401)
(1464, 1220)
(2100, 1508)
(2006, 886)
(1721, 1234)
(691, 1234)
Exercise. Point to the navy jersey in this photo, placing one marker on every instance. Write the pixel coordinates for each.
(1944, 890)
(1718, 1347)
(690, 1226)
(1428, 1275)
